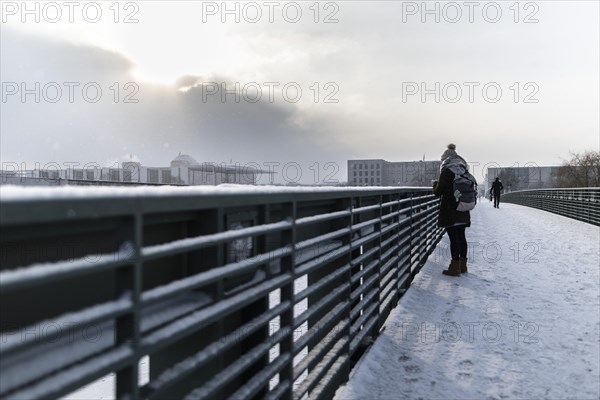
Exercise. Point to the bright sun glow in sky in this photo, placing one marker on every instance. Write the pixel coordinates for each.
(369, 53)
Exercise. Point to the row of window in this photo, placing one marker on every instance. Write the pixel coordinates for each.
(360, 173)
(373, 181)
(153, 176)
(113, 175)
(366, 166)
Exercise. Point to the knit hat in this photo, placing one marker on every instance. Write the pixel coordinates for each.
(450, 151)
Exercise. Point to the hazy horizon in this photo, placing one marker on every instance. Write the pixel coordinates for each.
(507, 90)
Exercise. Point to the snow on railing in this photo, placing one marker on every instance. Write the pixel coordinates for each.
(224, 291)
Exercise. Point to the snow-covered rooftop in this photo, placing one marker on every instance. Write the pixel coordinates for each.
(185, 158)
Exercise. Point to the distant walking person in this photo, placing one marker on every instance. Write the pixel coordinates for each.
(450, 217)
(495, 191)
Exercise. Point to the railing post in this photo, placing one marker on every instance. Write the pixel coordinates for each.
(378, 226)
(348, 204)
(412, 229)
(129, 281)
(288, 238)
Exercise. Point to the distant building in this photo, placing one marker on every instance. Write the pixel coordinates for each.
(522, 178)
(184, 170)
(378, 172)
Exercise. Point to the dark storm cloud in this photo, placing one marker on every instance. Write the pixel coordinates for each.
(160, 121)
(28, 56)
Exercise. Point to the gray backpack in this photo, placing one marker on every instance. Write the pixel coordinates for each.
(464, 189)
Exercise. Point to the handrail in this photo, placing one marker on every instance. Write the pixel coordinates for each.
(582, 204)
(248, 295)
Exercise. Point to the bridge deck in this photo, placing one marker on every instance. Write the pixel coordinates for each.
(523, 323)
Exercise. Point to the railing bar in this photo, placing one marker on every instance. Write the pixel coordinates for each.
(365, 239)
(318, 306)
(364, 224)
(363, 257)
(319, 370)
(389, 286)
(403, 280)
(387, 270)
(184, 326)
(386, 300)
(279, 390)
(183, 368)
(389, 204)
(359, 210)
(323, 323)
(240, 365)
(404, 233)
(392, 238)
(43, 273)
(360, 335)
(326, 381)
(198, 242)
(386, 228)
(388, 253)
(261, 379)
(75, 376)
(309, 266)
(321, 238)
(419, 198)
(424, 212)
(355, 327)
(211, 276)
(322, 217)
(324, 281)
(96, 313)
(323, 346)
(365, 271)
(316, 251)
(368, 298)
(391, 215)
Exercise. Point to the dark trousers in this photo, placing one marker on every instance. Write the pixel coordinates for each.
(496, 199)
(458, 241)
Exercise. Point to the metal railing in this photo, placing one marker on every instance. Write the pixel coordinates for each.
(241, 296)
(582, 204)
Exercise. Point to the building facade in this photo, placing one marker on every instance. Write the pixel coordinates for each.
(378, 172)
(522, 178)
(184, 170)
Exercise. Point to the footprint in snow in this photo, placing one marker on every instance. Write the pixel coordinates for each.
(413, 369)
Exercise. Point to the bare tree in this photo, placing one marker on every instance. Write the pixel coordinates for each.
(582, 170)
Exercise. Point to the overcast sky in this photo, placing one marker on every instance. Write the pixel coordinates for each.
(361, 68)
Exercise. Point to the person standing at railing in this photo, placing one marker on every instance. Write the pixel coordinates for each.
(454, 221)
(495, 191)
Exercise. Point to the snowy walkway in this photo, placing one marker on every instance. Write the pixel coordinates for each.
(524, 323)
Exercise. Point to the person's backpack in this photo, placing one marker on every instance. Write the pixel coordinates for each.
(464, 189)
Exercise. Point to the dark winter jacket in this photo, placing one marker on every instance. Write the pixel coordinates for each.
(448, 216)
(496, 187)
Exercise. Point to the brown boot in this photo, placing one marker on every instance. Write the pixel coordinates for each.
(463, 265)
(453, 269)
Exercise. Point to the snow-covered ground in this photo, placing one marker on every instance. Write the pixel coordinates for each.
(524, 323)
